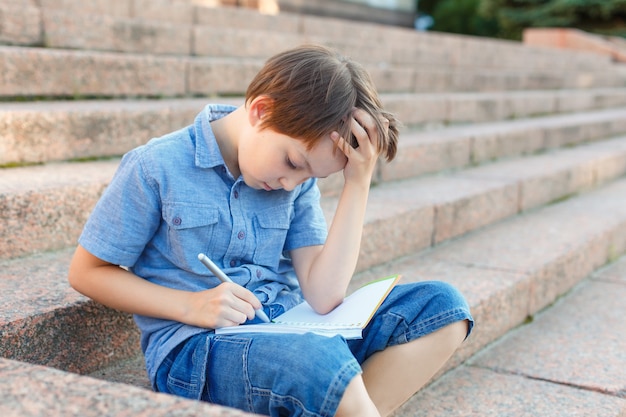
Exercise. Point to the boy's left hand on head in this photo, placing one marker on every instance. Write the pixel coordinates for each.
(362, 158)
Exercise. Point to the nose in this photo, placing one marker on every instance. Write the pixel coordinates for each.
(289, 183)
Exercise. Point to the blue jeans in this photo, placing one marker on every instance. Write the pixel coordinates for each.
(302, 375)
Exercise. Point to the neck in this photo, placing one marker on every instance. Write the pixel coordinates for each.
(228, 141)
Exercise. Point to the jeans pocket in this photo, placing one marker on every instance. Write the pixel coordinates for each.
(228, 372)
(183, 372)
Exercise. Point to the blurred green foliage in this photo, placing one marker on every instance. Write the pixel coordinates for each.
(508, 18)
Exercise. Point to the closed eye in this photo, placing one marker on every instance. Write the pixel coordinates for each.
(290, 163)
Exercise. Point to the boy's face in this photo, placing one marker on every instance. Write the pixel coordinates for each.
(271, 161)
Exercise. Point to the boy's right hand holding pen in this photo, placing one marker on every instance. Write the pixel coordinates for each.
(231, 304)
(228, 304)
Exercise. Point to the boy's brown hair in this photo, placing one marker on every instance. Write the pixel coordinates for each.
(314, 90)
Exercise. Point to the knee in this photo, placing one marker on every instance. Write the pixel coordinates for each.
(446, 296)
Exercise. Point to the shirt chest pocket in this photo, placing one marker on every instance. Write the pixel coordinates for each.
(191, 229)
(271, 227)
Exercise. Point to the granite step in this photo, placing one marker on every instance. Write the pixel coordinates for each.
(44, 207)
(414, 214)
(36, 132)
(44, 321)
(60, 29)
(63, 394)
(27, 23)
(568, 361)
(106, 74)
(514, 268)
(513, 235)
(403, 218)
(483, 385)
(511, 272)
(109, 74)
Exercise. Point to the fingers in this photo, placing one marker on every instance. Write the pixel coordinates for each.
(243, 301)
(228, 304)
(365, 128)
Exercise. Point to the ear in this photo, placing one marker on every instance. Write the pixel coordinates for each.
(257, 110)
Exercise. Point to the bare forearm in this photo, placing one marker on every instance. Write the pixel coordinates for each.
(120, 289)
(325, 273)
(227, 304)
(334, 266)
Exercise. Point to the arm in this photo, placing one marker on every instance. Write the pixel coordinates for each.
(225, 305)
(324, 272)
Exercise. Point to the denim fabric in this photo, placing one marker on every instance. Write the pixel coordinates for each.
(302, 375)
(174, 198)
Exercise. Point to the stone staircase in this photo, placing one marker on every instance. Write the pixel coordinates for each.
(510, 180)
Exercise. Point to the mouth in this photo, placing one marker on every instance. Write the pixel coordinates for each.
(266, 187)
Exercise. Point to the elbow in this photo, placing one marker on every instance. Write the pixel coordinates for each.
(78, 270)
(326, 304)
(73, 278)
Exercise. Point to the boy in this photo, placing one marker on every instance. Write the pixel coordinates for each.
(240, 185)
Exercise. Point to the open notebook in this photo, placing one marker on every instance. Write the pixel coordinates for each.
(347, 319)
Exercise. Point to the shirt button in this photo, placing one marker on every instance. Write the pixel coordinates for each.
(177, 221)
(236, 194)
(233, 263)
(258, 273)
(241, 235)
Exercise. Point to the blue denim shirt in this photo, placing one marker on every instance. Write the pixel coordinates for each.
(174, 198)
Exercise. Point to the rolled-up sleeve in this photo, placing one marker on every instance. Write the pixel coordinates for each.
(126, 216)
(308, 226)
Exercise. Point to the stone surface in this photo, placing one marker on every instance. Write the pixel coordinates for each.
(480, 392)
(244, 43)
(498, 299)
(451, 227)
(64, 130)
(578, 342)
(428, 152)
(59, 130)
(615, 272)
(43, 72)
(127, 371)
(36, 391)
(44, 321)
(547, 247)
(225, 76)
(120, 8)
(170, 11)
(44, 207)
(569, 361)
(231, 17)
(20, 24)
(107, 33)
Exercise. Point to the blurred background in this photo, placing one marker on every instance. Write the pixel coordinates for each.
(508, 18)
(504, 19)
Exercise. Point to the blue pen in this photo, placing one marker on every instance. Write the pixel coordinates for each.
(224, 278)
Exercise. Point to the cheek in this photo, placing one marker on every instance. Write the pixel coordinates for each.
(262, 165)
(338, 163)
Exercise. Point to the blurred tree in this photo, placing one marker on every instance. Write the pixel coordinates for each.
(599, 16)
(459, 16)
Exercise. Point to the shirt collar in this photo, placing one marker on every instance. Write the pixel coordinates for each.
(208, 153)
